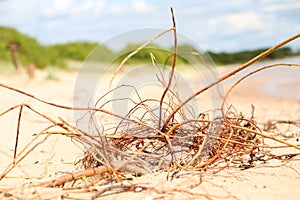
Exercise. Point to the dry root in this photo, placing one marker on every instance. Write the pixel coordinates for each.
(167, 140)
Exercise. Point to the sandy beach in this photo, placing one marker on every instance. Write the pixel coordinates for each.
(58, 154)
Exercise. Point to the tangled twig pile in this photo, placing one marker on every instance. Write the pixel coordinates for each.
(149, 139)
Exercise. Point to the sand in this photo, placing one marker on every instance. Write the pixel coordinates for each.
(58, 154)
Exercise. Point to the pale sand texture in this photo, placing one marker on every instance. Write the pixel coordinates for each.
(58, 154)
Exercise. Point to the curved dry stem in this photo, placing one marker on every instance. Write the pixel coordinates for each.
(18, 157)
(251, 73)
(265, 136)
(17, 160)
(172, 70)
(242, 67)
(135, 52)
(18, 131)
(156, 138)
(62, 106)
(60, 181)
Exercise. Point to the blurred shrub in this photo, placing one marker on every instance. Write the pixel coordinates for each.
(31, 51)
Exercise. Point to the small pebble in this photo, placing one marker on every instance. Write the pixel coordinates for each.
(138, 189)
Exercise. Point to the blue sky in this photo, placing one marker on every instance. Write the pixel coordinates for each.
(230, 25)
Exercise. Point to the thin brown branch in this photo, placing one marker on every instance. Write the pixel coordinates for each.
(135, 52)
(242, 67)
(172, 70)
(251, 73)
(266, 136)
(60, 181)
(18, 132)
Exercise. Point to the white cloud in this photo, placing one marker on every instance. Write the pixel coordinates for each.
(142, 6)
(98, 6)
(274, 6)
(230, 23)
(241, 22)
(130, 7)
(115, 9)
(54, 8)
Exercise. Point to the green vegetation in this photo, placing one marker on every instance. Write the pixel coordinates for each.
(243, 56)
(74, 50)
(143, 56)
(31, 51)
